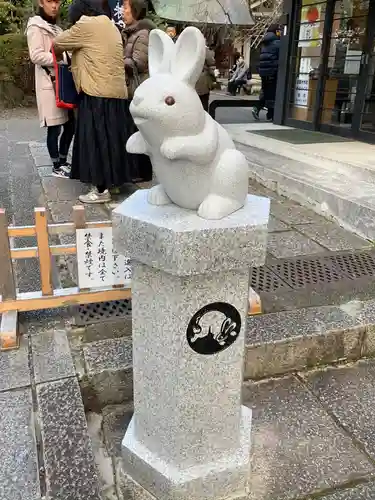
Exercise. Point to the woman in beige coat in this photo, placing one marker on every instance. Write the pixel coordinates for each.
(41, 30)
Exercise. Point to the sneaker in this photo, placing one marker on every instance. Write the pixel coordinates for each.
(59, 172)
(95, 197)
(66, 167)
(255, 113)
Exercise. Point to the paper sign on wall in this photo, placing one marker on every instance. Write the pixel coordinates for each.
(310, 27)
(301, 93)
(98, 265)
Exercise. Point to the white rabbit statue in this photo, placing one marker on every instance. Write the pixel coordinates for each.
(193, 157)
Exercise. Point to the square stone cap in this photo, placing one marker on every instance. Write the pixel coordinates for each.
(178, 241)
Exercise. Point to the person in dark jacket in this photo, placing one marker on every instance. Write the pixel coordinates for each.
(268, 68)
(135, 37)
(206, 81)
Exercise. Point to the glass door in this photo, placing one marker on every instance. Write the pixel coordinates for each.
(332, 68)
(344, 66)
(305, 62)
(364, 115)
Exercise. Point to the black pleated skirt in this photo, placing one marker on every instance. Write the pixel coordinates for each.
(99, 151)
(143, 167)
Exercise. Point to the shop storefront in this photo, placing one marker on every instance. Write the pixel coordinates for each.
(326, 78)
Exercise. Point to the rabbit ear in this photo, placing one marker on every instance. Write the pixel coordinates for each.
(160, 52)
(187, 65)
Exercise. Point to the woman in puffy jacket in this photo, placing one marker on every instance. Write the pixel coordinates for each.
(135, 38)
(268, 68)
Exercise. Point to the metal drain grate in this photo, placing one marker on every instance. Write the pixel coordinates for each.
(101, 311)
(302, 272)
(263, 279)
(355, 265)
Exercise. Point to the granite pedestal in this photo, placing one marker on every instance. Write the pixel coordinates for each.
(189, 438)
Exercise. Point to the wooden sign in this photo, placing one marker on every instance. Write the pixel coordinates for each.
(98, 265)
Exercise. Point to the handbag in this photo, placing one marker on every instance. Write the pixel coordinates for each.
(133, 82)
(65, 89)
(211, 79)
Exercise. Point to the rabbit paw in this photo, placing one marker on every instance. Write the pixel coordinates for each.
(136, 144)
(169, 149)
(157, 196)
(216, 207)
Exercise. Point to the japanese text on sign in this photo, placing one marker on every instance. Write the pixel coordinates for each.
(98, 264)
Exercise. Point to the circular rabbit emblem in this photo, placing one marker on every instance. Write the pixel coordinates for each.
(213, 328)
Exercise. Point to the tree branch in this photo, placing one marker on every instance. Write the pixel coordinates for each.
(226, 14)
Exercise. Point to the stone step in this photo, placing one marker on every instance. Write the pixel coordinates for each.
(343, 191)
(19, 471)
(67, 459)
(67, 450)
(276, 344)
(45, 445)
(108, 377)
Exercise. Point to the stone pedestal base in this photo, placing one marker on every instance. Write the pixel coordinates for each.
(130, 487)
(189, 438)
(217, 480)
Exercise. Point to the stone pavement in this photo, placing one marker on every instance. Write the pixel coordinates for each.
(66, 395)
(20, 187)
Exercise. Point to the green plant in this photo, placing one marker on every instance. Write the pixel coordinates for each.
(64, 11)
(11, 17)
(16, 71)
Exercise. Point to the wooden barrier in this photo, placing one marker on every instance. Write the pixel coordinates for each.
(11, 301)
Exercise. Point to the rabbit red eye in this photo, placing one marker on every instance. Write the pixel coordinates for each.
(169, 101)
